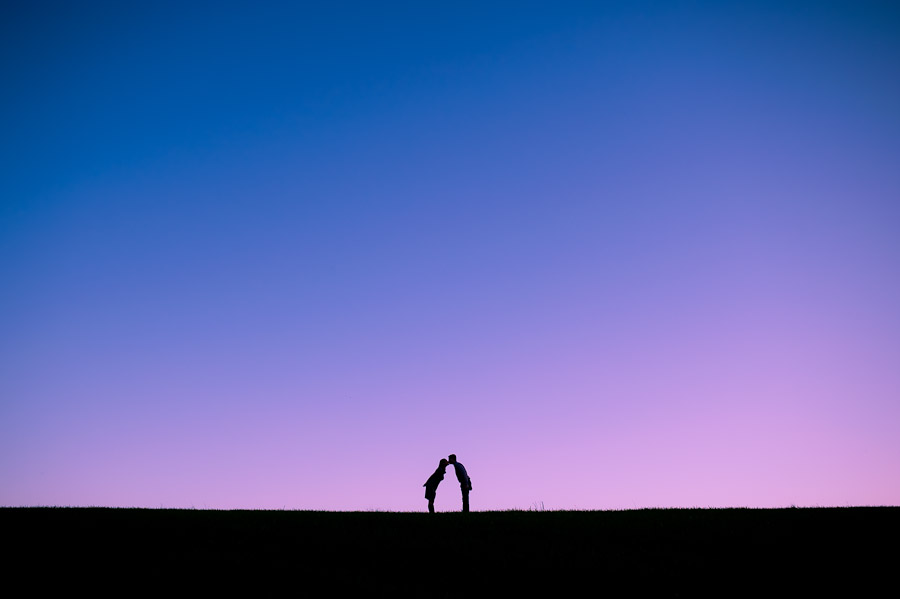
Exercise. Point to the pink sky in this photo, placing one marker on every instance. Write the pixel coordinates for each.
(610, 257)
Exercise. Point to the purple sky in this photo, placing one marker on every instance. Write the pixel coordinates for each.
(612, 255)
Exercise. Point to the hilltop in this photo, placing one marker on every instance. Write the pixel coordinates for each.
(681, 552)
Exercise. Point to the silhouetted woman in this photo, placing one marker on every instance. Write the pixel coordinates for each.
(432, 483)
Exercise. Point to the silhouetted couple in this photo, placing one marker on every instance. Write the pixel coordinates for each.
(465, 483)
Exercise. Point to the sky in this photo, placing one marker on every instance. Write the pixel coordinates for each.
(613, 255)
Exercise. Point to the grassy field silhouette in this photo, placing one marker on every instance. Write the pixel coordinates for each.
(680, 552)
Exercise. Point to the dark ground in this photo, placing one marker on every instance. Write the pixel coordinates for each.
(669, 552)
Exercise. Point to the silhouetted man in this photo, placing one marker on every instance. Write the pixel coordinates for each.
(432, 483)
(465, 483)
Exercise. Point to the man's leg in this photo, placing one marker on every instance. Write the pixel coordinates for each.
(465, 494)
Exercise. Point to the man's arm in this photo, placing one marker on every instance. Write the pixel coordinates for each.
(461, 475)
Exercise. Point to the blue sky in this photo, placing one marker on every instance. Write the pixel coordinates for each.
(247, 248)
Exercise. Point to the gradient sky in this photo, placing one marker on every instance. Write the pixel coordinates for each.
(612, 254)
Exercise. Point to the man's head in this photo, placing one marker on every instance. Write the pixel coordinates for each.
(452, 458)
